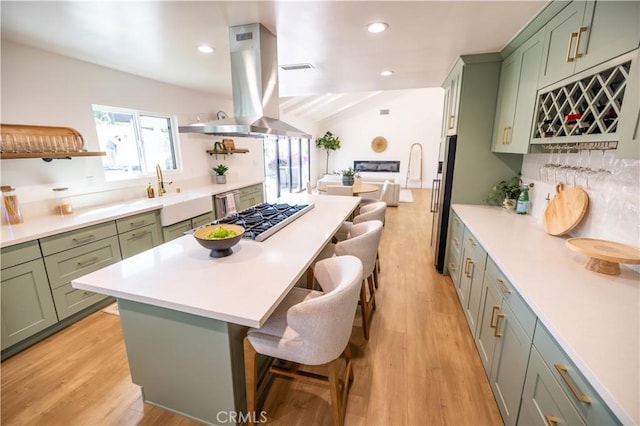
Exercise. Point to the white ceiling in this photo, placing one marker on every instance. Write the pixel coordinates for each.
(158, 40)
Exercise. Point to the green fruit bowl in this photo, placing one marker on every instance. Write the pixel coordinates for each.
(220, 247)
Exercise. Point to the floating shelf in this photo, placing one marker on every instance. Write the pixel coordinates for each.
(45, 142)
(227, 152)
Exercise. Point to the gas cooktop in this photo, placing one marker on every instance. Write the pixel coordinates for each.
(263, 220)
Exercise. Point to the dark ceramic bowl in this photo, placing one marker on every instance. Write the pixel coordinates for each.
(219, 247)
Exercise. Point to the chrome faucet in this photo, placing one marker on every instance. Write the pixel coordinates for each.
(161, 181)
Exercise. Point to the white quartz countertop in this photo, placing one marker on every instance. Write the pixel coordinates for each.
(594, 317)
(243, 288)
(43, 226)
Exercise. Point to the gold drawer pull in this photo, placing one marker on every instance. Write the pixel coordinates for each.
(571, 36)
(506, 140)
(452, 266)
(471, 269)
(576, 54)
(493, 313)
(87, 293)
(137, 222)
(495, 332)
(466, 266)
(139, 234)
(451, 118)
(82, 238)
(473, 243)
(564, 373)
(455, 241)
(503, 287)
(91, 261)
(551, 420)
(504, 135)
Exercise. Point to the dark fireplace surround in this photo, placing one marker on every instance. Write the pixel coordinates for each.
(377, 166)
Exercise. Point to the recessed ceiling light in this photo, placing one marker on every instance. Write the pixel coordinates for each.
(377, 27)
(386, 73)
(205, 48)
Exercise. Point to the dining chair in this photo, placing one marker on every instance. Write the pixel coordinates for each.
(384, 191)
(339, 190)
(309, 327)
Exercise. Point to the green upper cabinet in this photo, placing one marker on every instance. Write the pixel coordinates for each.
(587, 33)
(452, 87)
(517, 97)
(629, 143)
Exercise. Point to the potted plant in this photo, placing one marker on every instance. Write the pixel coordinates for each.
(220, 170)
(348, 176)
(505, 193)
(329, 143)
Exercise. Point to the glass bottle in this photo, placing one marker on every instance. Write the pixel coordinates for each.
(10, 209)
(522, 207)
(62, 203)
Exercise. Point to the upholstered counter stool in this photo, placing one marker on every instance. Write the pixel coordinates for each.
(312, 328)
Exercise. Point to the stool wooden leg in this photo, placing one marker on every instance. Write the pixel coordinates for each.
(376, 270)
(334, 386)
(250, 379)
(365, 309)
(310, 278)
(372, 299)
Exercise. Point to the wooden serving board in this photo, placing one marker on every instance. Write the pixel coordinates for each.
(566, 210)
(604, 256)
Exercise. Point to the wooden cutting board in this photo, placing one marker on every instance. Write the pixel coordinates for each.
(566, 210)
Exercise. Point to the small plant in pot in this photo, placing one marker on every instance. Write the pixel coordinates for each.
(220, 170)
(348, 176)
(505, 193)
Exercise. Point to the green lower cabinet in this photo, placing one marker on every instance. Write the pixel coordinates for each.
(250, 196)
(27, 306)
(486, 339)
(70, 300)
(509, 364)
(139, 240)
(176, 230)
(202, 220)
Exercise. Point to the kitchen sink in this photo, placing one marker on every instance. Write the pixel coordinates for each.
(177, 207)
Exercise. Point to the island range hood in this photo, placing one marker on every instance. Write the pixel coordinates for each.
(254, 76)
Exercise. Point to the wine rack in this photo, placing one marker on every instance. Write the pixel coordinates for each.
(589, 106)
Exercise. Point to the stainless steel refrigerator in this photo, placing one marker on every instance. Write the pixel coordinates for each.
(441, 200)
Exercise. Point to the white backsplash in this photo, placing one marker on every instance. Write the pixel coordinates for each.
(614, 202)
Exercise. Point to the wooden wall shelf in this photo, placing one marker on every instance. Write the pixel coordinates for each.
(227, 152)
(45, 142)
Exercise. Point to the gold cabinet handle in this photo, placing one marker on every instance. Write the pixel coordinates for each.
(82, 238)
(473, 243)
(139, 234)
(451, 118)
(504, 135)
(466, 266)
(137, 223)
(506, 140)
(471, 269)
(576, 54)
(571, 36)
(503, 287)
(493, 313)
(495, 332)
(90, 261)
(455, 242)
(551, 420)
(86, 293)
(452, 266)
(564, 373)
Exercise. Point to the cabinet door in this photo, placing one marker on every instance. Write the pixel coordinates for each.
(453, 86)
(203, 219)
(476, 272)
(509, 364)
(70, 300)
(614, 29)
(464, 283)
(27, 305)
(507, 96)
(543, 401)
(490, 302)
(629, 143)
(139, 240)
(560, 42)
(176, 230)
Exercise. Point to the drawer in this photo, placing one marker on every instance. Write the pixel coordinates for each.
(139, 240)
(69, 300)
(456, 230)
(543, 400)
(581, 394)
(77, 238)
(20, 253)
(67, 265)
(137, 221)
(203, 219)
(523, 313)
(251, 190)
(176, 230)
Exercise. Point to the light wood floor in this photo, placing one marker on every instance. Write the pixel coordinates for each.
(420, 366)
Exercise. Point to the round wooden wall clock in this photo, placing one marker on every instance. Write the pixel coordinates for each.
(379, 144)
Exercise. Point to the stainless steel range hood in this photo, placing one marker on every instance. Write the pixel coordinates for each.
(254, 77)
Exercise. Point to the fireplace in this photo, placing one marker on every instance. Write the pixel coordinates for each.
(377, 166)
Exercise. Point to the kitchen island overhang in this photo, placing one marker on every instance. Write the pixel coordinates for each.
(184, 314)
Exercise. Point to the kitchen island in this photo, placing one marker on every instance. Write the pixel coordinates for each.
(184, 314)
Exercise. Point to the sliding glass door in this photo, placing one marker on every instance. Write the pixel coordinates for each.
(286, 164)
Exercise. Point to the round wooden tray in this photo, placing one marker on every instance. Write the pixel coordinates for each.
(604, 256)
(566, 210)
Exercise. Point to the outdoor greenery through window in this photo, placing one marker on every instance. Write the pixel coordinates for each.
(135, 142)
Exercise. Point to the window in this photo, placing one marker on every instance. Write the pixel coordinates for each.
(135, 142)
(286, 164)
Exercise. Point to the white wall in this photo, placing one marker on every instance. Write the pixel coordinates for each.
(415, 117)
(42, 88)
